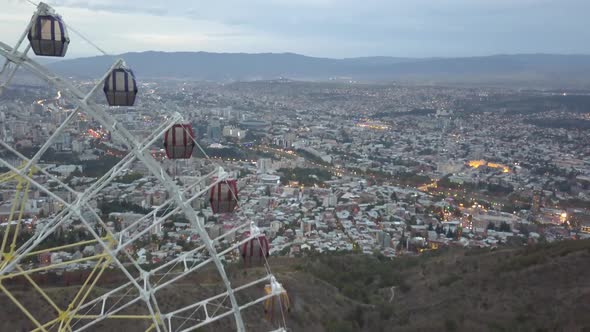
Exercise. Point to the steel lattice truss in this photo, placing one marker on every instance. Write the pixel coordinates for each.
(138, 296)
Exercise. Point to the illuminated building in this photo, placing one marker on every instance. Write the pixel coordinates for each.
(538, 201)
(230, 131)
(481, 162)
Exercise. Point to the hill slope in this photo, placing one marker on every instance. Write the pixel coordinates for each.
(529, 70)
(527, 289)
(535, 289)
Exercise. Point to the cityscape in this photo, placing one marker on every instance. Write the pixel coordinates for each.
(334, 197)
(414, 169)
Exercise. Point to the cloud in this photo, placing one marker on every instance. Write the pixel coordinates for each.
(337, 28)
(114, 6)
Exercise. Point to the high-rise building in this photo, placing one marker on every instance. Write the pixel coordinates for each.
(214, 131)
(231, 131)
(264, 165)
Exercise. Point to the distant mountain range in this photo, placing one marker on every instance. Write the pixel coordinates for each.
(526, 70)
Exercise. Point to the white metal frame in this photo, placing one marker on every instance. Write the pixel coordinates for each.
(145, 290)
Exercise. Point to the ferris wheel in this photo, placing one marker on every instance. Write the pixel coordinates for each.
(114, 285)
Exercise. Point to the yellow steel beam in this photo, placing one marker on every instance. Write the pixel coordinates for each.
(40, 291)
(22, 308)
(67, 246)
(105, 264)
(18, 201)
(88, 290)
(11, 215)
(47, 325)
(8, 176)
(21, 213)
(96, 267)
(114, 316)
(49, 267)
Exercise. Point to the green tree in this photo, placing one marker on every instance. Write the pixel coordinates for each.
(393, 197)
(450, 234)
(504, 227)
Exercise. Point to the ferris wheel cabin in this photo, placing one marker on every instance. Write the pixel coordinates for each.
(179, 141)
(48, 36)
(223, 197)
(256, 248)
(120, 87)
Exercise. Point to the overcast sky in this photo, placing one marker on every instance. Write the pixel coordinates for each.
(327, 28)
